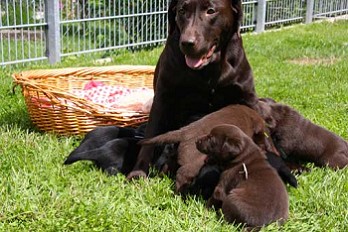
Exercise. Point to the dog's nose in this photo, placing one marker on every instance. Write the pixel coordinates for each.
(188, 43)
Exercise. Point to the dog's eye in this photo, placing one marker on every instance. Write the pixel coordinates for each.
(211, 11)
(181, 11)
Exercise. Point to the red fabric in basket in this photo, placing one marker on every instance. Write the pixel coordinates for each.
(115, 97)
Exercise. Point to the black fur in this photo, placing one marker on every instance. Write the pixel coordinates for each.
(112, 149)
(283, 170)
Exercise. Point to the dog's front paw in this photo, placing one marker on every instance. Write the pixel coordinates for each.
(182, 180)
(112, 171)
(136, 175)
(213, 203)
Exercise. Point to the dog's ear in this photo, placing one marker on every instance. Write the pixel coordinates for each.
(237, 8)
(172, 16)
(238, 12)
(270, 122)
(264, 108)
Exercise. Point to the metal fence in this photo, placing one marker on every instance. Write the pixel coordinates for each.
(32, 30)
(89, 26)
(22, 28)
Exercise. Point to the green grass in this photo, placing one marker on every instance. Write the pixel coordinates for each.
(38, 193)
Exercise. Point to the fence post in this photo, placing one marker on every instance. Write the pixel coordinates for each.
(260, 16)
(52, 31)
(309, 11)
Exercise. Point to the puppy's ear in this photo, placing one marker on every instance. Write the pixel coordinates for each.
(265, 110)
(270, 122)
(231, 147)
(172, 15)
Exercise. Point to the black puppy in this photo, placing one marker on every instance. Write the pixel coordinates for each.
(101, 135)
(206, 181)
(167, 162)
(117, 155)
(113, 149)
(283, 170)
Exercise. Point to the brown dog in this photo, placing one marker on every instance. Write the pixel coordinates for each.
(249, 190)
(189, 158)
(299, 138)
(202, 68)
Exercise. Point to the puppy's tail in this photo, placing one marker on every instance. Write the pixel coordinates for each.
(169, 137)
(87, 155)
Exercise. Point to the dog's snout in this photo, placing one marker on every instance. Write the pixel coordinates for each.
(188, 43)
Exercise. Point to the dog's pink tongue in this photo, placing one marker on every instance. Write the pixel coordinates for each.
(193, 62)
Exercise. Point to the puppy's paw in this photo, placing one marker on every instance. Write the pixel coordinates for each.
(213, 203)
(112, 171)
(297, 168)
(136, 175)
(182, 188)
(182, 182)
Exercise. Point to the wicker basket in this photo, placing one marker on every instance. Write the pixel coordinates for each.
(52, 108)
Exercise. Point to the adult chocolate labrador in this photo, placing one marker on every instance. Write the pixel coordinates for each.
(202, 68)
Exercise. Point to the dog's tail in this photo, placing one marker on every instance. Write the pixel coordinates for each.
(169, 137)
(87, 155)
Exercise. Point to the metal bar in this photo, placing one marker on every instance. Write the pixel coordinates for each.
(309, 11)
(23, 26)
(250, 2)
(114, 47)
(248, 26)
(16, 37)
(8, 34)
(24, 60)
(330, 12)
(22, 34)
(284, 20)
(53, 31)
(261, 16)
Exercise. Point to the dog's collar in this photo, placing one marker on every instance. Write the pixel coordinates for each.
(266, 134)
(245, 171)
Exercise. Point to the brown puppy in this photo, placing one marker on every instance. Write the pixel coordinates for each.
(299, 138)
(249, 190)
(202, 68)
(189, 158)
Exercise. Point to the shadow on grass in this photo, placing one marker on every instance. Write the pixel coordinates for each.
(16, 118)
(13, 111)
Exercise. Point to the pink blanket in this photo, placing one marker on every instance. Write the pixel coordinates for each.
(116, 97)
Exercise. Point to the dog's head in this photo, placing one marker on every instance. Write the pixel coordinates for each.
(224, 143)
(205, 28)
(266, 111)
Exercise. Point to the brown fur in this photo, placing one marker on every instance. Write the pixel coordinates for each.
(189, 158)
(249, 190)
(198, 30)
(299, 138)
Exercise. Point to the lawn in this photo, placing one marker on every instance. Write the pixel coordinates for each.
(304, 66)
